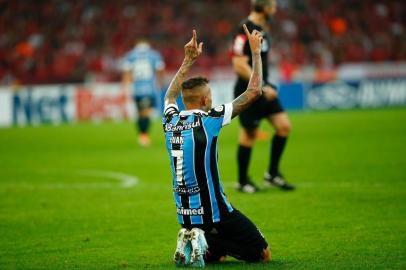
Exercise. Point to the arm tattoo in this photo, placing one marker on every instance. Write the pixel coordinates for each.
(174, 88)
(254, 88)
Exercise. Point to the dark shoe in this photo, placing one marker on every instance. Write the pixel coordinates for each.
(277, 181)
(247, 187)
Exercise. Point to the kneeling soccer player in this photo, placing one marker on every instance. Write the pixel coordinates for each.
(212, 228)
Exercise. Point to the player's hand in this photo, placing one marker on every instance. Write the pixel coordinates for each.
(254, 39)
(269, 92)
(192, 51)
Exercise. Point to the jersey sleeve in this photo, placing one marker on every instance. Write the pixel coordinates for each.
(228, 111)
(170, 110)
(159, 63)
(218, 117)
(126, 64)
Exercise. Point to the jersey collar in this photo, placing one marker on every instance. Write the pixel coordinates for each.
(189, 112)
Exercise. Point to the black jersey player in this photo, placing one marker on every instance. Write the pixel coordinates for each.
(266, 107)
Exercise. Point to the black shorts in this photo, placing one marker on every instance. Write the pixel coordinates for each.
(234, 235)
(144, 102)
(262, 108)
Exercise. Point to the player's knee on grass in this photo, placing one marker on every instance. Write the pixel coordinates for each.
(213, 256)
(216, 252)
(266, 255)
(256, 254)
(244, 253)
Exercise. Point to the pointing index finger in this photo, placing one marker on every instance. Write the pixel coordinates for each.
(247, 33)
(194, 35)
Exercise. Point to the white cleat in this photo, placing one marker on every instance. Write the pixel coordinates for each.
(199, 247)
(183, 248)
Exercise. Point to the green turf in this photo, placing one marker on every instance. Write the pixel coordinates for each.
(348, 212)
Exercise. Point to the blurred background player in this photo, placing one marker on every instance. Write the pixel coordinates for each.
(143, 69)
(267, 106)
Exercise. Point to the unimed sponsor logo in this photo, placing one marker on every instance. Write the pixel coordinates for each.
(190, 211)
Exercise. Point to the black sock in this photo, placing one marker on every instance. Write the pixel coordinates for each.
(278, 144)
(143, 124)
(243, 157)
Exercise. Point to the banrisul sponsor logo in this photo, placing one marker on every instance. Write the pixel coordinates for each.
(170, 127)
(190, 211)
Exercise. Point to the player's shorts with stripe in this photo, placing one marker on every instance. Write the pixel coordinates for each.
(144, 102)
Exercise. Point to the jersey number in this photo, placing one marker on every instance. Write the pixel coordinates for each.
(178, 154)
(143, 70)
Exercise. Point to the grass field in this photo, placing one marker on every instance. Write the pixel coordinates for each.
(58, 210)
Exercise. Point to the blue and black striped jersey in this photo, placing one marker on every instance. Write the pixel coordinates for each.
(191, 141)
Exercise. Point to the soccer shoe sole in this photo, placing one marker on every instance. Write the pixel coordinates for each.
(199, 247)
(181, 257)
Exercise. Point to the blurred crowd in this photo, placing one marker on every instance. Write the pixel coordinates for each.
(54, 41)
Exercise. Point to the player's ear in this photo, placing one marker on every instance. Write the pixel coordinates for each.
(203, 101)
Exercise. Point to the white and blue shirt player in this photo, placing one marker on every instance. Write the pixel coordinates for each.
(191, 140)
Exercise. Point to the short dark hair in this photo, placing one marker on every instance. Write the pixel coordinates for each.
(259, 5)
(194, 82)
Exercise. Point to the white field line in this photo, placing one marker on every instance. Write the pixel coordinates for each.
(124, 181)
(315, 185)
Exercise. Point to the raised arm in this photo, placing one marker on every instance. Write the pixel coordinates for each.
(253, 91)
(192, 52)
